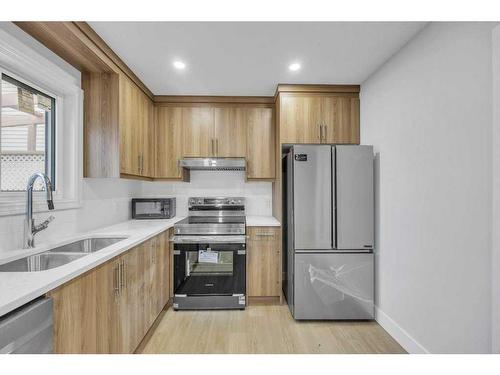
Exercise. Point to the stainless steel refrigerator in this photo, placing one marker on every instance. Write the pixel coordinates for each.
(329, 224)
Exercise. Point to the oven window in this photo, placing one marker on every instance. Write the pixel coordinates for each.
(209, 263)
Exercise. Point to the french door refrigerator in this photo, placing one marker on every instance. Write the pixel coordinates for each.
(328, 261)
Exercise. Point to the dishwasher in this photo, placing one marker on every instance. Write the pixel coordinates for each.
(28, 329)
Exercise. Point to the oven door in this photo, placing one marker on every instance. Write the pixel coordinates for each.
(209, 269)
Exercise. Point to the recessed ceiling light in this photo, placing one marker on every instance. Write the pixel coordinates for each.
(294, 67)
(179, 65)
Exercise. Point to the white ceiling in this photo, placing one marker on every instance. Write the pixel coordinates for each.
(234, 58)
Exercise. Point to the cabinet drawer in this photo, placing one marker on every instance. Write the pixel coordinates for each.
(263, 233)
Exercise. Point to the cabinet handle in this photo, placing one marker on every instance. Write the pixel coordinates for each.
(265, 234)
(139, 164)
(217, 146)
(116, 279)
(326, 130)
(122, 275)
(142, 164)
(320, 133)
(212, 152)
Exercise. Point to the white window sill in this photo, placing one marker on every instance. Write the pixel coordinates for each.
(19, 208)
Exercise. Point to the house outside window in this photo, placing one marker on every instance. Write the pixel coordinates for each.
(27, 134)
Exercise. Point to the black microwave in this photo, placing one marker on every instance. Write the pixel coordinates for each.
(153, 208)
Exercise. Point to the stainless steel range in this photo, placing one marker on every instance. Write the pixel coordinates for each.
(210, 255)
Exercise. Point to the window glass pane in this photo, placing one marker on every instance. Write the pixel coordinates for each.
(27, 123)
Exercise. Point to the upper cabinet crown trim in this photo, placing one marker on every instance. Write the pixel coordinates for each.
(207, 99)
(325, 89)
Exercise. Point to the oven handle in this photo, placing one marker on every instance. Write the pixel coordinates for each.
(208, 239)
(238, 252)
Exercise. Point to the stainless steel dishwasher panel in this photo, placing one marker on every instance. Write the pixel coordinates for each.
(28, 329)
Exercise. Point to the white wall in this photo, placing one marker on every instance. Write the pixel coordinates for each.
(215, 183)
(104, 202)
(495, 258)
(428, 112)
(107, 201)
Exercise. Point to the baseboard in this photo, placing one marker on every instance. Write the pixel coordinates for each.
(404, 339)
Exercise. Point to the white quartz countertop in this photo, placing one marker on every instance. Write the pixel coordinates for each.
(262, 221)
(18, 288)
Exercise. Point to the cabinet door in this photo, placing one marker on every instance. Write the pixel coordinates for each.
(74, 316)
(300, 118)
(230, 131)
(198, 127)
(136, 130)
(163, 269)
(147, 127)
(340, 115)
(263, 262)
(132, 314)
(171, 265)
(109, 338)
(146, 285)
(260, 143)
(130, 130)
(154, 283)
(168, 142)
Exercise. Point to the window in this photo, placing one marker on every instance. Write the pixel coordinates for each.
(27, 136)
(48, 102)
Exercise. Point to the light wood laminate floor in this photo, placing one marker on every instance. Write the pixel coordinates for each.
(263, 329)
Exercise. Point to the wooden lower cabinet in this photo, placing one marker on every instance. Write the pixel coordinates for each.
(110, 309)
(264, 262)
(74, 315)
(163, 269)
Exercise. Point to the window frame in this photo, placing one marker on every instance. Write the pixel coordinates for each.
(50, 132)
(19, 60)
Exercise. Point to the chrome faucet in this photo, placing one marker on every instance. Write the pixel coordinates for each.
(30, 228)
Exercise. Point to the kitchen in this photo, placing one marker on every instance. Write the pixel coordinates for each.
(200, 199)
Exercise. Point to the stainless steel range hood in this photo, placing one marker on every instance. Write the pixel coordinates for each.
(213, 164)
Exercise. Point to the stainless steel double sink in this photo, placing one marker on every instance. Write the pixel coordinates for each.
(60, 255)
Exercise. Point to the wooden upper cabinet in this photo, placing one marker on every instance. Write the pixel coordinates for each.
(198, 131)
(148, 135)
(260, 143)
(347, 124)
(136, 130)
(129, 135)
(230, 131)
(216, 131)
(319, 118)
(300, 119)
(169, 140)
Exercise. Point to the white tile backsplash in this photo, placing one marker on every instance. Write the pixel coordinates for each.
(107, 201)
(104, 202)
(215, 183)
